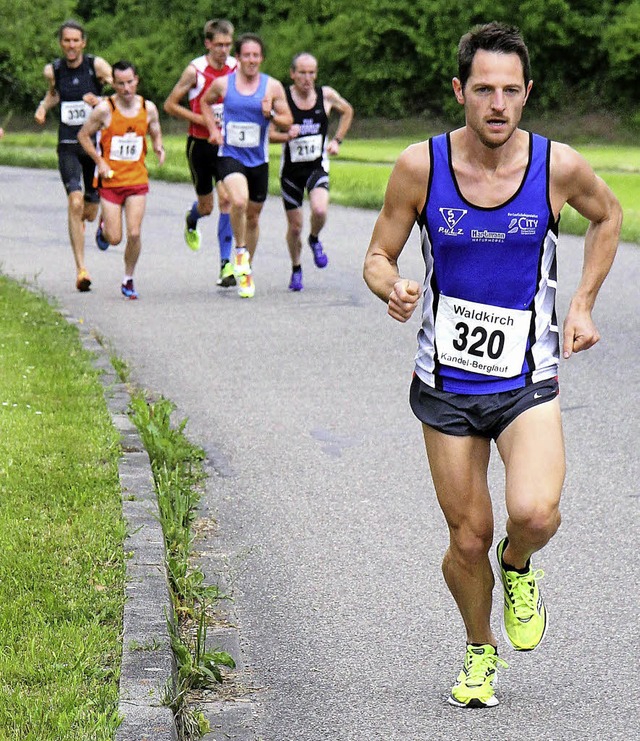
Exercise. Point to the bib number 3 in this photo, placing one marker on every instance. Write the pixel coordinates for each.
(242, 134)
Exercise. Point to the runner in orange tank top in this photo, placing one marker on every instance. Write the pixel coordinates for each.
(124, 120)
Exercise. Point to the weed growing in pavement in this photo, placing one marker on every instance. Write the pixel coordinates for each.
(198, 669)
(120, 366)
(178, 475)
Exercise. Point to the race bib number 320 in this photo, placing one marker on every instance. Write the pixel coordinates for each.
(481, 338)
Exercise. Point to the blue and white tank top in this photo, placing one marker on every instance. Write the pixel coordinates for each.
(489, 319)
(245, 128)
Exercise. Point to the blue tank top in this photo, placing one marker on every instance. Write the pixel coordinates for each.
(245, 128)
(489, 320)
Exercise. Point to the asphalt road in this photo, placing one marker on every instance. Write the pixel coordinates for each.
(326, 516)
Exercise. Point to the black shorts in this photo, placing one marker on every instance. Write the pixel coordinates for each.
(257, 177)
(202, 157)
(77, 169)
(480, 415)
(295, 180)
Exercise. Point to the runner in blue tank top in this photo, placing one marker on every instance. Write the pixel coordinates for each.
(487, 201)
(251, 101)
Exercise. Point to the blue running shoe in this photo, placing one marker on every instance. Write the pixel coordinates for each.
(128, 291)
(319, 257)
(295, 284)
(100, 240)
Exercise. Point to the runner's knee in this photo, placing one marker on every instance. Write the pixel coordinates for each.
(470, 542)
(295, 230)
(539, 520)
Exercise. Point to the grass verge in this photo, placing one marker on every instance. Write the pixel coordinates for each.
(178, 475)
(359, 176)
(61, 532)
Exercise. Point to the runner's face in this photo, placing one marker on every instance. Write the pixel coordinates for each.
(494, 96)
(250, 58)
(72, 45)
(219, 47)
(125, 83)
(305, 74)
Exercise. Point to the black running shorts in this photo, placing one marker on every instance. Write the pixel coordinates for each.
(257, 177)
(77, 171)
(295, 180)
(202, 157)
(480, 415)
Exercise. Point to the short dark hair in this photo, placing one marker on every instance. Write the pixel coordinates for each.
(216, 26)
(494, 36)
(71, 24)
(122, 64)
(249, 37)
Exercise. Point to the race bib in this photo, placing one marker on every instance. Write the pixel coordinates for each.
(306, 148)
(481, 338)
(217, 109)
(242, 134)
(127, 148)
(74, 112)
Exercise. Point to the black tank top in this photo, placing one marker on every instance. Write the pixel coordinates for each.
(71, 85)
(314, 124)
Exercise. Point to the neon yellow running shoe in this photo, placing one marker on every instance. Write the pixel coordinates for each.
(191, 236)
(246, 286)
(241, 263)
(524, 617)
(474, 687)
(226, 277)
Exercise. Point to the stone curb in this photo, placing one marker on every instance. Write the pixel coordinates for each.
(147, 658)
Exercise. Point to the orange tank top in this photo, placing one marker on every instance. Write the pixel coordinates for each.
(124, 146)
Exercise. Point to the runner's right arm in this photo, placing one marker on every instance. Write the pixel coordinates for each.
(403, 201)
(99, 118)
(51, 97)
(173, 104)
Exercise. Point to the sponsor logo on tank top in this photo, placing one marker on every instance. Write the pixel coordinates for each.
(452, 217)
(484, 235)
(309, 126)
(523, 223)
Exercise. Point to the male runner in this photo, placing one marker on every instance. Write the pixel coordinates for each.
(487, 199)
(201, 155)
(124, 120)
(251, 101)
(75, 81)
(304, 164)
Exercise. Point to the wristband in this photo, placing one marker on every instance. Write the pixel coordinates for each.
(336, 138)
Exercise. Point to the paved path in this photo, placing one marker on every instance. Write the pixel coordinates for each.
(326, 515)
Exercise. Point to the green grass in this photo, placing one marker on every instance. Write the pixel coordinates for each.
(61, 532)
(359, 176)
